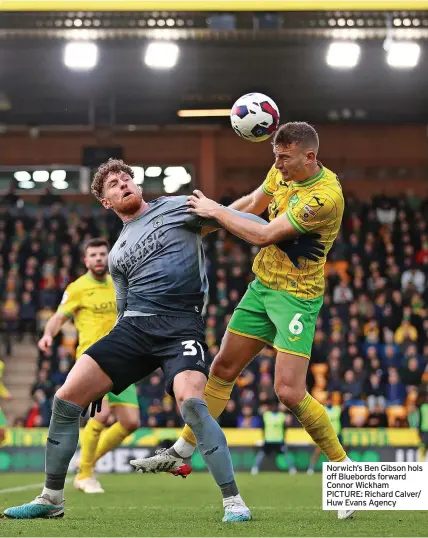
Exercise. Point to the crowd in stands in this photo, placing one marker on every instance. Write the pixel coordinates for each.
(370, 351)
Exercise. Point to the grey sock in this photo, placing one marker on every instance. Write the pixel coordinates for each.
(61, 445)
(211, 443)
(229, 490)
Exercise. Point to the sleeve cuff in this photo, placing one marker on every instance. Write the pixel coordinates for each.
(68, 314)
(266, 191)
(294, 222)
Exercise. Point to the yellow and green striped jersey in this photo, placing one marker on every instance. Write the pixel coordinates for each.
(92, 305)
(315, 205)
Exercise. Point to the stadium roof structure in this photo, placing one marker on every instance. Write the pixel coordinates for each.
(222, 56)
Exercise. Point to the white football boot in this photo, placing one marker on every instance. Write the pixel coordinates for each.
(88, 485)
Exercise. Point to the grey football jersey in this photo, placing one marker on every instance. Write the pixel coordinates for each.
(158, 263)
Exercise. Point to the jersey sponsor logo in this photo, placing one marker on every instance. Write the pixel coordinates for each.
(102, 307)
(64, 298)
(140, 251)
(306, 213)
(318, 200)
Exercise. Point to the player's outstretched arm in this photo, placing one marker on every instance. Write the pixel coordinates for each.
(255, 233)
(53, 326)
(256, 202)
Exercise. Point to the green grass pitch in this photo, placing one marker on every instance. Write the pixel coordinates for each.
(163, 505)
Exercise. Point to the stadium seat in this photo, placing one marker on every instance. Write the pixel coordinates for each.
(411, 398)
(341, 268)
(336, 398)
(320, 369)
(395, 411)
(358, 415)
(320, 395)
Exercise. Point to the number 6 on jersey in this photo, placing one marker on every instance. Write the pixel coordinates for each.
(296, 326)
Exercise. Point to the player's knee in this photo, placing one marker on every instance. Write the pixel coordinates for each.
(70, 394)
(65, 393)
(224, 369)
(131, 423)
(189, 384)
(193, 411)
(289, 396)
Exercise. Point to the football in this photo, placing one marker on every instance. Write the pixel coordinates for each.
(254, 117)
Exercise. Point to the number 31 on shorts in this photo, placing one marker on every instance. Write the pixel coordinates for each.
(190, 348)
(296, 326)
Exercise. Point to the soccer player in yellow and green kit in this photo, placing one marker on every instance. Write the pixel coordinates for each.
(91, 302)
(281, 305)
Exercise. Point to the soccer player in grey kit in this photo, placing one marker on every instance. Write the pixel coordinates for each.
(158, 269)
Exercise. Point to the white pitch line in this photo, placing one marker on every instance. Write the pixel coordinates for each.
(27, 487)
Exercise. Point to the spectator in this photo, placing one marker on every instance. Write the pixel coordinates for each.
(377, 418)
(351, 388)
(11, 198)
(43, 384)
(247, 418)
(415, 277)
(27, 316)
(411, 375)
(395, 391)
(342, 293)
(229, 417)
(375, 392)
(406, 333)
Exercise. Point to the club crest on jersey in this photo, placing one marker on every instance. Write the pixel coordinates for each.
(158, 221)
(293, 201)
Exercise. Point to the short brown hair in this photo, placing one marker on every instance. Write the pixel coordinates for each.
(111, 166)
(95, 242)
(298, 132)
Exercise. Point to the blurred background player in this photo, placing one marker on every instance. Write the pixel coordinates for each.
(275, 423)
(91, 302)
(334, 413)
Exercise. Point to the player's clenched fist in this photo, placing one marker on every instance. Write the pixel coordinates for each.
(45, 342)
(201, 205)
